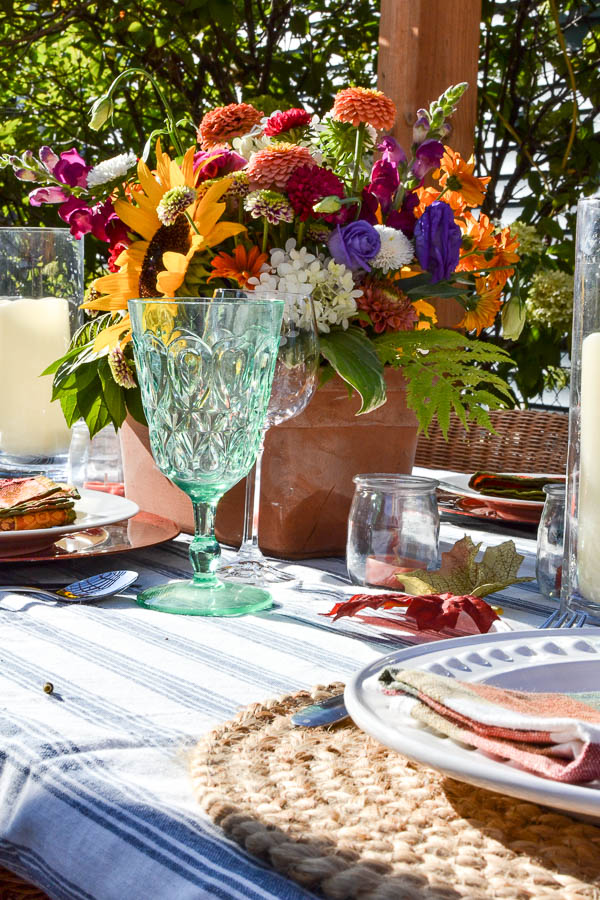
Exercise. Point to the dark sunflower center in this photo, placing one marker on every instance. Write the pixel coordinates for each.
(175, 237)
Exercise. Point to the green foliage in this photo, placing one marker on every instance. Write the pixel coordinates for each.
(539, 95)
(447, 372)
(84, 385)
(352, 356)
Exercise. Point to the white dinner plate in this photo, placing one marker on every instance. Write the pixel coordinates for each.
(460, 483)
(94, 509)
(553, 660)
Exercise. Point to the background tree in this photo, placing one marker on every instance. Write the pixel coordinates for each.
(539, 96)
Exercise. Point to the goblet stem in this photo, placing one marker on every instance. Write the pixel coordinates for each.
(249, 548)
(205, 551)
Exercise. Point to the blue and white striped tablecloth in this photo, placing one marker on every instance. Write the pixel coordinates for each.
(95, 798)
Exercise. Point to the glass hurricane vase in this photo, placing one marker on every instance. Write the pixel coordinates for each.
(205, 368)
(294, 383)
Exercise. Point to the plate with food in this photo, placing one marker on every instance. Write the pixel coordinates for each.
(517, 496)
(36, 512)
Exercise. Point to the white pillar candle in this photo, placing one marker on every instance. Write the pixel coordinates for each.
(588, 519)
(33, 333)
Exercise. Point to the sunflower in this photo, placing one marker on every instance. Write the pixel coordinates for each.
(241, 265)
(143, 271)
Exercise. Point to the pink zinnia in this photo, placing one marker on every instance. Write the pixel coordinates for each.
(308, 185)
(286, 120)
(272, 167)
(388, 307)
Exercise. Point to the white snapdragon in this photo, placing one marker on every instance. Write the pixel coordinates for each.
(111, 169)
(396, 249)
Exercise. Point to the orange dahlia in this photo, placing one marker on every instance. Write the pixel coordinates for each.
(273, 166)
(388, 307)
(224, 123)
(483, 308)
(357, 105)
(457, 175)
(241, 265)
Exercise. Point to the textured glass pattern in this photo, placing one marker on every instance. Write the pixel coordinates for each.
(205, 397)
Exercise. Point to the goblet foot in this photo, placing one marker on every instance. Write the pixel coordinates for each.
(251, 571)
(186, 598)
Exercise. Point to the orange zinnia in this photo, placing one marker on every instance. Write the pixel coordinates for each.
(224, 123)
(485, 306)
(457, 175)
(241, 265)
(357, 105)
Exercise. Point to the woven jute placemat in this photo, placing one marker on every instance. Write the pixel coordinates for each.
(14, 888)
(343, 816)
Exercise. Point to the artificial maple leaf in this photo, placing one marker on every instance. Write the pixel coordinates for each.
(361, 601)
(461, 575)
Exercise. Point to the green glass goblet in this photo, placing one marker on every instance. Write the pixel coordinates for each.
(205, 369)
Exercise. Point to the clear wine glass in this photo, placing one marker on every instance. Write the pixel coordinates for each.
(205, 368)
(295, 381)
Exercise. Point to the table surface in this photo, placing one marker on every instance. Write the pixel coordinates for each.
(96, 797)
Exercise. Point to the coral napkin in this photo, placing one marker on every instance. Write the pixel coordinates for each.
(553, 735)
(515, 487)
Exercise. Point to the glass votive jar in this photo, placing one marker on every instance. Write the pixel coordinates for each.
(393, 527)
(550, 541)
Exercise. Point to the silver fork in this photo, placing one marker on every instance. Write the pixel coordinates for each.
(567, 619)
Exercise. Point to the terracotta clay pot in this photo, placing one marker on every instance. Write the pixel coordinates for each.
(308, 467)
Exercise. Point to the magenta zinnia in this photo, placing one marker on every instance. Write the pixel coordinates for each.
(308, 185)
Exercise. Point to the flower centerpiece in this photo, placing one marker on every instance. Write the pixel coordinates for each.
(334, 207)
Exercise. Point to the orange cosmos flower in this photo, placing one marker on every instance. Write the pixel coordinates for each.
(484, 308)
(357, 105)
(506, 249)
(457, 175)
(429, 195)
(224, 123)
(478, 236)
(241, 265)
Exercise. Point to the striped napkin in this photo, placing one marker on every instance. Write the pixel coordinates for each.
(553, 735)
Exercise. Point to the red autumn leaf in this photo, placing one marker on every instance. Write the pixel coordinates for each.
(373, 601)
(429, 612)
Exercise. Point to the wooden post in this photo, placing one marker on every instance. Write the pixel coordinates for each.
(424, 46)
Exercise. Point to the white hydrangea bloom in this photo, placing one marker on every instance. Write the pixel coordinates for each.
(300, 272)
(250, 143)
(110, 169)
(396, 249)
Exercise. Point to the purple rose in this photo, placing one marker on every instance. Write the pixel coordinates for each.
(437, 241)
(222, 162)
(385, 179)
(354, 245)
(391, 151)
(403, 219)
(71, 169)
(427, 158)
(52, 194)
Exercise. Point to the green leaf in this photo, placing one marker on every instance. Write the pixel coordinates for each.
(460, 574)
(113, 394)
(352, 356)
(70, 408)
(133, 399)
